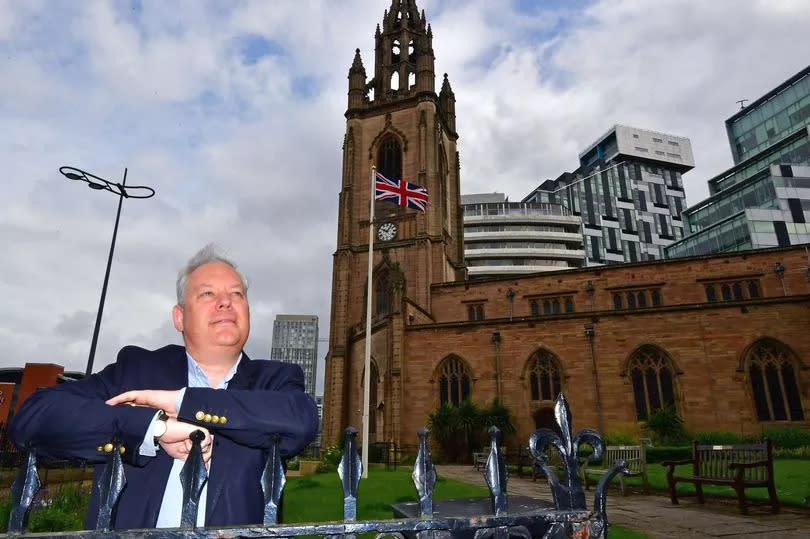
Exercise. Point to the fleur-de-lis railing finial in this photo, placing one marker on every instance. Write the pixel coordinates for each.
(496, 474)
(193, 476)
(23, 490)
(349, 470)
(568, 495)
(273, 481)
(109, 486)
(424, 476)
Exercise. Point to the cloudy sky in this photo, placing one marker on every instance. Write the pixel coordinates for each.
(233, 112)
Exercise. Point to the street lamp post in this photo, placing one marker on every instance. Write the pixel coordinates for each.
(123, 191)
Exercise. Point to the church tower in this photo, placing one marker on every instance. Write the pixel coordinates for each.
(396, 122)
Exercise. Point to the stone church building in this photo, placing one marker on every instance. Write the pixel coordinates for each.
(724, 338)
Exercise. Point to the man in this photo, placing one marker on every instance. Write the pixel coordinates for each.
(153, 400)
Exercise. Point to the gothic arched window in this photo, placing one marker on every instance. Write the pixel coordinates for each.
(389, 159)
(454, 381)
(652, 374)
(545, 378)
(771, 369)
(382, 295)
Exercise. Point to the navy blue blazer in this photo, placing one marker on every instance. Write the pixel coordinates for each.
(263, 398)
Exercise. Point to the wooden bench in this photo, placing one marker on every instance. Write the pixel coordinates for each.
(634, 455)
(552, 459)
(480, 458)
(737, 466)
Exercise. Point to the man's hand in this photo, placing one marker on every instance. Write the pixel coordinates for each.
(177, 444)
(154, 398)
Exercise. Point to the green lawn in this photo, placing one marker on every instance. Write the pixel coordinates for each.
(317, 498)
(792, 482)
(620, 532)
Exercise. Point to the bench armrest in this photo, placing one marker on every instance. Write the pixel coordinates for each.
(746, 465)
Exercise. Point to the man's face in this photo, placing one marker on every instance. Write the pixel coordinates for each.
(216, 316)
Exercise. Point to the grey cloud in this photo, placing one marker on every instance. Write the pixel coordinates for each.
(75, 324)
(237, 158)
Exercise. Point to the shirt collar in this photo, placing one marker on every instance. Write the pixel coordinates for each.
(198, 378)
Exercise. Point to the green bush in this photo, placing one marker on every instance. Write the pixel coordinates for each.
(52, 511)
(717, 438)
(293, 463)
(330, 457)
(665, 426)
(619, 438)
(408, 460)
(662, 453)
(787, 437)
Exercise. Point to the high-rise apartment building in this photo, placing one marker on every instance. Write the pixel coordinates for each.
(295, 340)
(504, 238)
(628, 191)
(764, 199)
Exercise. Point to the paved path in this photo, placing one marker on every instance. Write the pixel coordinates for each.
(657, 517)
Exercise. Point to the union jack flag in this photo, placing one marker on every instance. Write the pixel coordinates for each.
(400, 192)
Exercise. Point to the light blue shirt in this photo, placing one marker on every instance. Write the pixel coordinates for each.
(172, 504)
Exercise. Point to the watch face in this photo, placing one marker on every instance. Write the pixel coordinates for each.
(386, 231)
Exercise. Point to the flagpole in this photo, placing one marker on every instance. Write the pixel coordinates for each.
(367, 362)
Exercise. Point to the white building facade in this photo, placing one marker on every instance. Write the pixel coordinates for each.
(505, 238)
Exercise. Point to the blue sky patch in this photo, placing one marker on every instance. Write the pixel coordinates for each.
(254, 47)
(305, 87)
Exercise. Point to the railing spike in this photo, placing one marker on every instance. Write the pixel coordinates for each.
(424, 476)
(23, 490)
(109, 486)
(496, 474)
(273, 481)
(349, 470)
(600, 496)
(193, 476)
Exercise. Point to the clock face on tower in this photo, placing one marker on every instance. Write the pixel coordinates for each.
(387, 231)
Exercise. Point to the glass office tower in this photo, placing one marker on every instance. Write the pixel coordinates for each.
(764, 199)
(295, 340)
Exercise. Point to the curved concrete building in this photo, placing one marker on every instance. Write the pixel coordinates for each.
(502, 237)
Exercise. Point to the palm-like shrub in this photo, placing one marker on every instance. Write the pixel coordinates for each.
(458, 430)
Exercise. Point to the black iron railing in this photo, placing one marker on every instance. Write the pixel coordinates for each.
(569, 517)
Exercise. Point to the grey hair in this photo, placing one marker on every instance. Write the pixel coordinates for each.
(206, 255)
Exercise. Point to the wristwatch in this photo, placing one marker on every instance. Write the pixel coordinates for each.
(161, 426)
